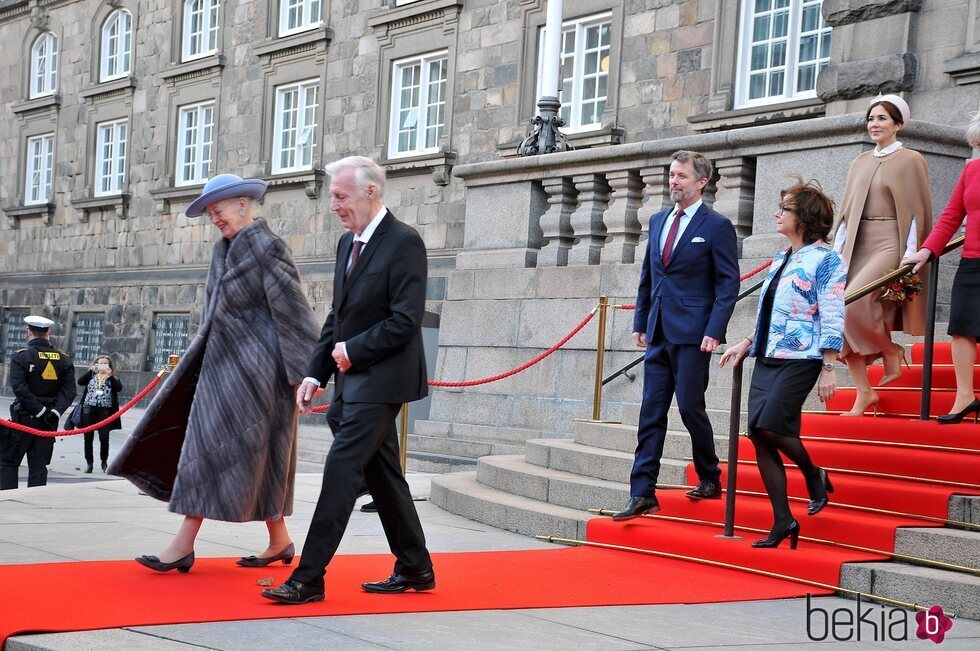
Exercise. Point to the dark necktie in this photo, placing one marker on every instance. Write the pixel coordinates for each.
(358, 245)
(671, 236)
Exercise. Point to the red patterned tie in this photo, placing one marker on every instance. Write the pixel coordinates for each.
(358, 245)
(671, 236)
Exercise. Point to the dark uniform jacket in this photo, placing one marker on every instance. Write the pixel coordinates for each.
(43, 378)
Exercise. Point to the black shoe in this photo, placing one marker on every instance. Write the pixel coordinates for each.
(638, 506)
(369, 507)
(705, 490)
(104, 466)
(816, 504)
(182, 565)
(88, 468)
(286, 556)
(773, 539)
(400, 583)
(294, 592)
(952, 419)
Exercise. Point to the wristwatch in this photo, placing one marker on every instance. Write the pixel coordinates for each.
(828, 366)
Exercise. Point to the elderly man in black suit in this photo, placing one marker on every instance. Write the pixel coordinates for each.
(371, 343)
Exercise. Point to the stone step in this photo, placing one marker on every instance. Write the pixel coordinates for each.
(512, 474)
(462, 494)
(954, 591)
(947, 545)
(719, 417)
(965, 508)
(469, 432)
(610, 436)
(438, 463)
(611, 465)
(459, 447)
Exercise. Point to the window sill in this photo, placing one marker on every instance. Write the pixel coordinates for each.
(211, 64)
(757, 115)
(38, 104)
(15, 213)
(385, 19)
(578, 140)
(108, 88)
(178, 194)
(118, 203)
(964, 69)
(440, 164)
(294, 43)
(310, 180)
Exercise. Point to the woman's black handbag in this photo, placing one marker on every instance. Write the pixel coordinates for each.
(74, 420)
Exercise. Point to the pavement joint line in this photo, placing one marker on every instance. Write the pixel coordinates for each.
(167, 638)
(315, 622)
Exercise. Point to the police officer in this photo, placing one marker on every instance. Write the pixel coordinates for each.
(43, 380)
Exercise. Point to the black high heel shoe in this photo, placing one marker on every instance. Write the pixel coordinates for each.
(286, 556)
(773, 539)
(816, 505)
(952, 419)
(182, 565)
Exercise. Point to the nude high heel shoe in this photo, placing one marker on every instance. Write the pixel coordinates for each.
(888, 378)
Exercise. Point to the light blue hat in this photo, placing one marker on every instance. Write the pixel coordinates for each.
(225, 186)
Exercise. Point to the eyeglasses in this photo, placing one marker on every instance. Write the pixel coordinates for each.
(783, 208)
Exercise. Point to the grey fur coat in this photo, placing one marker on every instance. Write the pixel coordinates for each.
(219, 439)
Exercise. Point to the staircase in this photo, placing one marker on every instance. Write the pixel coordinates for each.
(548, 488)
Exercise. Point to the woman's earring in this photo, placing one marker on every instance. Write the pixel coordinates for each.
(241, 212)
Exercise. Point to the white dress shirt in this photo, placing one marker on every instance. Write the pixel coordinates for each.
(686, 216)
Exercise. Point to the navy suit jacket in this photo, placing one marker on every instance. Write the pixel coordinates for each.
(693, 296)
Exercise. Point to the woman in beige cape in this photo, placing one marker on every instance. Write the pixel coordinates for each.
(884, 216)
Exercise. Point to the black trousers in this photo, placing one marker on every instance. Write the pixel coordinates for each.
(15, 445)
(91, 415)
(364, 450)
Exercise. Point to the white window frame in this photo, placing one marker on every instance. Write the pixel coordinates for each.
(295, 134)
(111, 148)
(44, 65)
(574, 103)
(39, 169)
(310, 15)
(794, 34)
(116, 51)
(421, 126)
(205, 36)
(195, 143)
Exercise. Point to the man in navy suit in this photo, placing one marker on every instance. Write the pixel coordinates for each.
(687, 293)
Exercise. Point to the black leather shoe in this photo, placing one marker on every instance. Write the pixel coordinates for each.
(705, 490)
(952, 419)
(369, 507)
(88, 468)
(792, 531)
(286, 556)
(400, 583)
(294, 592)
(104, 466)
(817, 503)
(182, 565)
(638, 506)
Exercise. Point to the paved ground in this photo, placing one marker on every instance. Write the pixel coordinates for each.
(90, 517)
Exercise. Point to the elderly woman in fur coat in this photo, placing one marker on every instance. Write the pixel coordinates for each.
(219, 439)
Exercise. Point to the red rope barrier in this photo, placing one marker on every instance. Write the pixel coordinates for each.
(748, 274)
(91, 428)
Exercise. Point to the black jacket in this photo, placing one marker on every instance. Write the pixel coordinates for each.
(42, 376)
(115, 387)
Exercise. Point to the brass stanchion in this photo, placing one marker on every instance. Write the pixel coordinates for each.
(600, 351)
(172, 361)
(403, 439)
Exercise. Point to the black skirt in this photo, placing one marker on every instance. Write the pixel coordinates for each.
(964, 301)
(779, 388)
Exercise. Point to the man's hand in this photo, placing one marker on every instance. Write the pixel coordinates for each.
(919, 259)
(304, 397)
(640, 339)
(343, 364)
(709, 344)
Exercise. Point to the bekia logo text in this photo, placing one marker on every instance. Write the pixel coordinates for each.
(865, 623)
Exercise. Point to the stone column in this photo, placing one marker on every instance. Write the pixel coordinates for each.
(657, 190)
(588, 228)
(735, 192)
(622, 221)
(556, 227)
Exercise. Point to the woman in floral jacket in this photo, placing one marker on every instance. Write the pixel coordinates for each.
(799, 332)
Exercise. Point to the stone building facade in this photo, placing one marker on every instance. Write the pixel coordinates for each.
(101, 153)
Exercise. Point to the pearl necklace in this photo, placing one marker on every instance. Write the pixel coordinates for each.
(890, 149)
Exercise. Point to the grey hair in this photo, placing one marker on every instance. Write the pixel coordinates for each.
(702, 166)
(973, 131)
(366, 172)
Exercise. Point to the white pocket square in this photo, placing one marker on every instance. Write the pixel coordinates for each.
(698, 239)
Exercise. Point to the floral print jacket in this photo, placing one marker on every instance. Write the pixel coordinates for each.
(808, 307)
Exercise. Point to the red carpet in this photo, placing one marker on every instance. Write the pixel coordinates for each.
(79, 596)
(902, 479)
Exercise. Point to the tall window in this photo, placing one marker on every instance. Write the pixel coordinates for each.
(298, 15)
(44, 65)
(784, 46)
(418, 104)
(194, 132)
(13, 333)
(200, 34)
(585, 58)
(117, 46)
(169, 338)
(295, 126)
(110, 158)
(86, 334)
(40, 163)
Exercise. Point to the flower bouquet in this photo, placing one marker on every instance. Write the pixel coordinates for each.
(902, 289)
